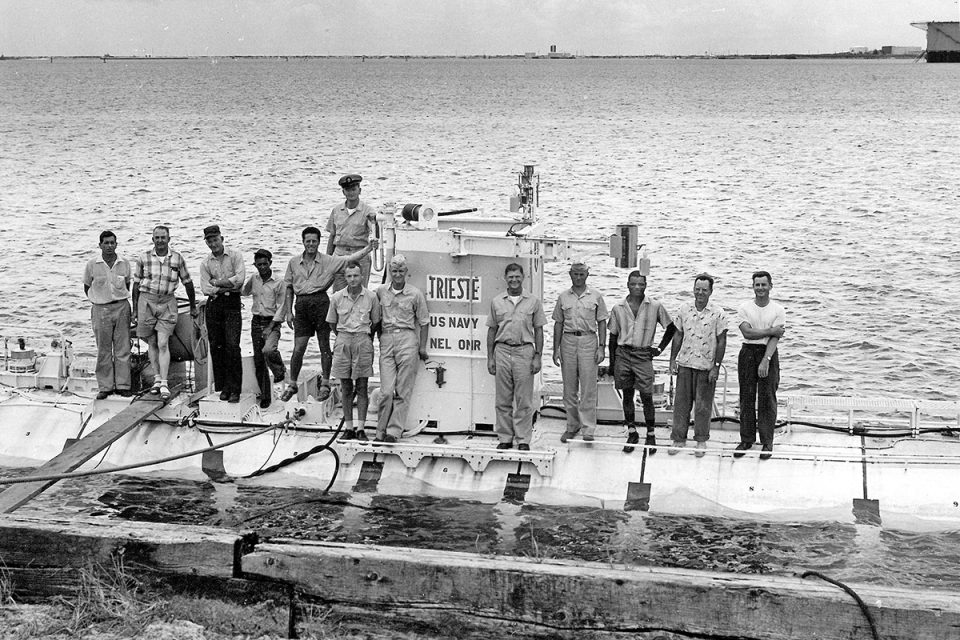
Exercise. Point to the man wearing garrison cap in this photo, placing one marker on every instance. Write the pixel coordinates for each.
(403, 342)
(221, 276)
(579, 341)
(350, 227)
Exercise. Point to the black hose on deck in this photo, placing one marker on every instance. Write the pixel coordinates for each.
(853, 594)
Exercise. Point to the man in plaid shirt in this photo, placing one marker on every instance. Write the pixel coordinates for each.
(155, 281)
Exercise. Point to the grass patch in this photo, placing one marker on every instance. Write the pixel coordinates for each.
(109, 598)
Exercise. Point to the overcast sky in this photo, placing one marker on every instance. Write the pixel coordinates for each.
(458, 27)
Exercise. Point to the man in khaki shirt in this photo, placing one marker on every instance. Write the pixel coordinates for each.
(579, 340)
(514, 356)
(350, 227)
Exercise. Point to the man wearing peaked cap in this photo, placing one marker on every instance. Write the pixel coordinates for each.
(221, 276)
(350, 227)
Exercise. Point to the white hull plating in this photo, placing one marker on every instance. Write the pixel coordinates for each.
(813, 474)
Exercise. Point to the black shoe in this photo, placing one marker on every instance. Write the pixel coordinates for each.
(741, 449)
(767, 452)
(389, 438)
(651, 441)
(505, 445)
(264, 403)
(566, 435)
(349, 434)
(632, 438)
(523, 446)
(224, 395)
(102, 395)
(233, 398)
(361, 435)
(124, 393)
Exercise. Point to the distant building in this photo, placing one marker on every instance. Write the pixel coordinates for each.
(943, 40)
(901, 51)
(859, 49)
(558, 54)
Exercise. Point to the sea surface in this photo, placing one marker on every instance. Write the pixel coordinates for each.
(840, 177)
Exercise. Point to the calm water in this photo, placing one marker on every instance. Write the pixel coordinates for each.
(839, 177)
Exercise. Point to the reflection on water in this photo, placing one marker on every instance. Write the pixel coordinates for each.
(850, 552)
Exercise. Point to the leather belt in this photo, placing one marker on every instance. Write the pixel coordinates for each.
(580, 333)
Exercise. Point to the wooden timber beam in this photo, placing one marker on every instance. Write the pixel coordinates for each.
(44, 556)
(570, 599)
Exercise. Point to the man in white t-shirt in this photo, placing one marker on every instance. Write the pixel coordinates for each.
(761, 322)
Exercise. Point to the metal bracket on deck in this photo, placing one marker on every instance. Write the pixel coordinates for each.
(517, 486)
(866, 511)
(370, 472)
(478, 459)
(638, 497)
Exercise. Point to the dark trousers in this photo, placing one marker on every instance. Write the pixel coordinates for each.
(758, 396)
(223, 334)
(266, 354)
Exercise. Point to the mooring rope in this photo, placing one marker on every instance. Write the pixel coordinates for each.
(136, 465)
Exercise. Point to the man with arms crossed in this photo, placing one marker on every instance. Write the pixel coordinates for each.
(306, 303)
(155, 280)
(514, 356)
(695, 357)
(353, 314)
(349, 228)
(106, 283)
(221, 277)
(579, 340)
(268, 296)
(403, 343)
(761, 322)
(633, 326)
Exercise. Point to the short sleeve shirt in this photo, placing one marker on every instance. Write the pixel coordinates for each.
(354, 315)
(700, 332)
(106, 284)
(761, 318)
(311, 277)
(516, 323)
(350, 229)
(406, 309)
(581, 312)
(268, 297)
(638, 330)
(160, 274)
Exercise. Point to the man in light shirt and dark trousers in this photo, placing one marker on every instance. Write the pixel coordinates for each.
(268, 295)
(106, 282)
(762, 323)
(221, 277)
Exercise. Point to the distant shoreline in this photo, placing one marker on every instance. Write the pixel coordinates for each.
(738, 56)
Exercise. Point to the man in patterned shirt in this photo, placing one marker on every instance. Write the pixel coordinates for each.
(155, 280)
(349, 228)
(695, 358)
(632, 327)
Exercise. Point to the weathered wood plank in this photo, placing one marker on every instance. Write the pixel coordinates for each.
(568, 597)
(35, 542)
(15, 496)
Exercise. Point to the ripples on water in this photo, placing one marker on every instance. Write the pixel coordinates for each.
(839, 177)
